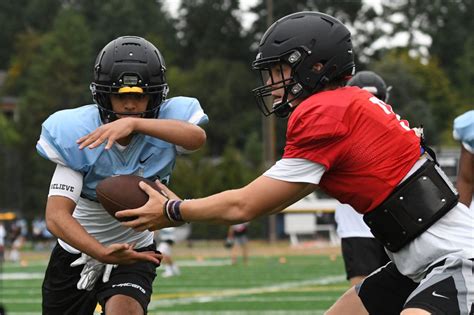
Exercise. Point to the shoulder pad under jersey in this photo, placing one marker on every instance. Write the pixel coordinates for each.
(183, 108)
(463, 129)
(59, 134)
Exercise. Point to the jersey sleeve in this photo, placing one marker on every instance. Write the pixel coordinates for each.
(184, 108)
(312, 137)
(463, 130)
(57, 141)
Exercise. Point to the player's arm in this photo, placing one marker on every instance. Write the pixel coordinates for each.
(65, 189)
(286, 182)
(184, 134)
(181, 133)
(265, 195)
(465, 180)
(61, 224)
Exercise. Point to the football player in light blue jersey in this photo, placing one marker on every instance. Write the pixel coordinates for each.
(463, 131)
(131, 129)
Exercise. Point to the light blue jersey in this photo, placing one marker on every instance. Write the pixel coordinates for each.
(145, 156)
(464, 130)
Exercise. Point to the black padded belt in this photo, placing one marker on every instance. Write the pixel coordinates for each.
(412, 207)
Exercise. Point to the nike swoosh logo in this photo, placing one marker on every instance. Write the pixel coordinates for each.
(145, 159)
(439, 295)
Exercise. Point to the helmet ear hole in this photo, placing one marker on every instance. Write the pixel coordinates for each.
(317, 68)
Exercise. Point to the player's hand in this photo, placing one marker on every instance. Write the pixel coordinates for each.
(108, 133)
(124, 254)
(91, 272)
(150, 216)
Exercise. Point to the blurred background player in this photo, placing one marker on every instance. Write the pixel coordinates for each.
(237, 234)
(167, 238)
(17, 238)
(463, 131)
(133, 128)
(361, 252)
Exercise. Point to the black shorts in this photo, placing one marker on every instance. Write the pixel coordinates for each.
(61, 296)
(362, 255)
(446, 289)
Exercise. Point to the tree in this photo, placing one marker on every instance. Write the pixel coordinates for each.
(224, 89)
(23, 16)
(57, 78)
(210, 30)
(421, 93)
(9, 186)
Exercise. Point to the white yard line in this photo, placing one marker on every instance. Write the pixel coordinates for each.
(21, 276)
(211, 296)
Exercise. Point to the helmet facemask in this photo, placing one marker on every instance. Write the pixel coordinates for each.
(101, 95)
(291, 89)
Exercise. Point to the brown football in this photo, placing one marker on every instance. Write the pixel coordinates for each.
(122, 192)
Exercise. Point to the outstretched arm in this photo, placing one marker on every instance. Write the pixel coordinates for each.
(263, 196)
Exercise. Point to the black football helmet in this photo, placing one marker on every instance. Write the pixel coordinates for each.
(302, 40)
(371, 82)
(129, 64)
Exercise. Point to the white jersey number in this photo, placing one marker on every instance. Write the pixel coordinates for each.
(388, 110)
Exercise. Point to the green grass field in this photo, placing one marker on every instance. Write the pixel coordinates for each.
(271, 283)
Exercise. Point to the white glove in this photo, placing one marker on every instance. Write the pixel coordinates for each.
(107, 272)
(92, 270)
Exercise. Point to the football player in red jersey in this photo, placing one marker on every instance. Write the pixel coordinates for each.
(353, 146)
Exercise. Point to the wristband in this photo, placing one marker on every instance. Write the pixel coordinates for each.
(165, 212)
(172, 211)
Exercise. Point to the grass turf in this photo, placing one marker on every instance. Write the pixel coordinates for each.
(272, 284)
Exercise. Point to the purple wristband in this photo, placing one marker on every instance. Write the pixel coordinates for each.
(172, 210)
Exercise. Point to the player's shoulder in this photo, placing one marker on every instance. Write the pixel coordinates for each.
(465, 121)
(327, 106)
(60, 132)
(66, 120)
(463, 129)
(179, 104)
(183, 108)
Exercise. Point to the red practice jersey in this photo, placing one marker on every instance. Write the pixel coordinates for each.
(364, 146)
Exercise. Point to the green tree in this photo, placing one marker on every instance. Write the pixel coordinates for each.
(223, 88)
(421, 93)
(21, 16)
(210, 30)
(449, 24)
(464, 75)
(55, 80)
(9, 187)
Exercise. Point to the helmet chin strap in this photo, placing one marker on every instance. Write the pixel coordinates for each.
(284, 110)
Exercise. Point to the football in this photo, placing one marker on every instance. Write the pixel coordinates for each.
(122, 192)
